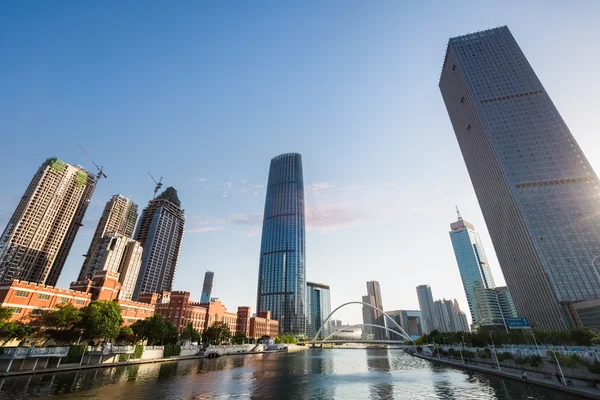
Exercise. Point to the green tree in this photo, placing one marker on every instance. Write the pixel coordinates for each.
(239, 338)
(126, 335)
(5, 314)
(218, 333)
(61, 323)
(191, 334)
(14, 330)
(102, 319)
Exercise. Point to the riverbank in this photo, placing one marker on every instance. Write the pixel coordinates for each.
(533, 378)
(77, 367)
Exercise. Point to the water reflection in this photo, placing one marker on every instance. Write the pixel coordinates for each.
(379, 360)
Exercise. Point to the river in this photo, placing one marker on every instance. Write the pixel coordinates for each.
(310, 374)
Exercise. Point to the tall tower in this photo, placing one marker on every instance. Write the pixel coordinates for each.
(119, 217)
(472, 264)
(41, 231)
(160, 232)
(318, 306)
(538, 193)
(374, 290)
(207, 287)
(281, 273)
(429, 320)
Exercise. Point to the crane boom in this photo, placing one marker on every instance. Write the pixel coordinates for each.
(100, 173)
(158, 184)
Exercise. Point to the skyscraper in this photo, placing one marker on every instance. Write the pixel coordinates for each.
(318, 306)
(427, 307)
(119, 216)
(160, 232)
(472, 263)
(537, 191)
(368, 314)
(207, 287)
(281, 273)
(374, 290)
(41, 231)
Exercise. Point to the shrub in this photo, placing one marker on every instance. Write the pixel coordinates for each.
(504, 356)
(594, 368)
(139, 350)
(171, 350)
(124, 357)
(419, 349)
(534, 361)
(520, 360)
(75, 353)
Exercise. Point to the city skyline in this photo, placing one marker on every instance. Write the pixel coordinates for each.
(354, 206)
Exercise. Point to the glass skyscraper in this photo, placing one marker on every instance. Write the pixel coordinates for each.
(318, 306)
(281, 274)
(429, 320)
(538, 193)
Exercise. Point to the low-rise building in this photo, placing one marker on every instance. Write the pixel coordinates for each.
(262, 325)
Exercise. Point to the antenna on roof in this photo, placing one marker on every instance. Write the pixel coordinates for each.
(100, 173)
(158, 184)
(458, 214)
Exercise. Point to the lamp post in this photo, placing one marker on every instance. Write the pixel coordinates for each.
(559, 368)
(495, 353)
(460, 349)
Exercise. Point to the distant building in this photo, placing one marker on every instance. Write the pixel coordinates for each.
(160, 232)
(318, 306)
(282, 269)
(428, 311)
(368, 315)
(462, 324)
(119, 217)
(348, 333)
(207, 287)
(409, 320)
(374, 290)
(41, 231)
(537, 190)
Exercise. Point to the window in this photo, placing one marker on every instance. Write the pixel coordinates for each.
(453, 67)
(80, 301)
(63, 299)
(17, 310)
(37, 311)
(21, 293)
(43, 296)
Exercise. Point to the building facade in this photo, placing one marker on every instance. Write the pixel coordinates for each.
(409, 320)
(262, 325)
(318, 307)
(41, 231)
(119, 216)
(282, 269)
(538, 192)
(472, 262)
(160, 233)
(427, 307)
(207, 287)
(368, 315)
(374, 290)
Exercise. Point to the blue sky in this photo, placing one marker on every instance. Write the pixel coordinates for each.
(206, 93)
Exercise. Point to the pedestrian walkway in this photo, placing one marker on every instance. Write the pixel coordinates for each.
(579, 387)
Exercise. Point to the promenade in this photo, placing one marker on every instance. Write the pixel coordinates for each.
(579, 388)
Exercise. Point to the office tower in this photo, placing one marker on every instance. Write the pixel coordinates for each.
(374, 290)
(462, 325)
(281, 273)
(368, 314)
(445, 313)
(119, 217)
(318, 307)
(409, 320)
(118, 253)
(537, 190)
(160, 232)
(472, 262)
(207, 287)
(427, 307)
(41, 231)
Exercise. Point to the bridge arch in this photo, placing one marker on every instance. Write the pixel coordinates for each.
(361, 325)
(407, 336)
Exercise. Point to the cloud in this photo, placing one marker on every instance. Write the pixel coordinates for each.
(244, 180)
(260, 186)
(226, 185)
(203, 229)
(200, 225)
(319, 186)
(245, 219)
(201, 180)
(331, 217)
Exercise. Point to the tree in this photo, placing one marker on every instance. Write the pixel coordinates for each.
(155, 329)
(239, 338)
(191, 334)
(62, 323)
(102, 319)
(5, 314)
(125, 335)
(218, 333)
(14, 330)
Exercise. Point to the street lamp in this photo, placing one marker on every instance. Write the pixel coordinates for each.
(495, 352)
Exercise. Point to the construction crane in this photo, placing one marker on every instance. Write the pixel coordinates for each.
(158, 184)
(100, 173)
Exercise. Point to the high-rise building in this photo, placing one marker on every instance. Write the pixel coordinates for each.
(282, 270)
(207, 287)
(160, 232)
(374, 290)
(318, 307)
(409, 320)
(41, 231)
(118, 253)
(119, 217)
(450, 318)
(368, 314)
(474, 269)
(538, 193)
(428, 311)
(462, 325)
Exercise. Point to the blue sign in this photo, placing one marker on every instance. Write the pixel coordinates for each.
(517, 323)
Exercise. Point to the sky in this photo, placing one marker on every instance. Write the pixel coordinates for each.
(204, 94)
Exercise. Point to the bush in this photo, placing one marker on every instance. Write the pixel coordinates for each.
(75, 353)
(594, 368)
(485, 353)
(419, 349)
(534, 361)
(172, 350)
(124, 357)
(139, 350)
(520, 360)
(504, 356)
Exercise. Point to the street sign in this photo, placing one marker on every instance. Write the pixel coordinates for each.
(517, 323)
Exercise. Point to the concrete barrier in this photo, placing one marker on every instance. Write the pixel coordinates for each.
(152, 352)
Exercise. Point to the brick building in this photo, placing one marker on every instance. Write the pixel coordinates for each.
(262, 325)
